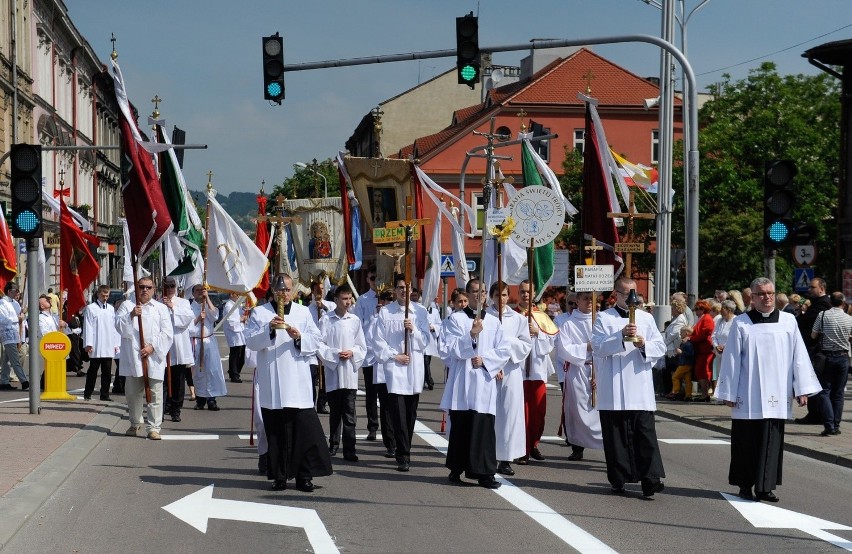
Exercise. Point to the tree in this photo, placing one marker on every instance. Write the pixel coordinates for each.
(306, 184)
(763, 117)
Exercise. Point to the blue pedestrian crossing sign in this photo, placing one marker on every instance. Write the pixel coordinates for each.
(802, 277)
(447, 265)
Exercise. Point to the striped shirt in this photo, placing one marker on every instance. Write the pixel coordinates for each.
(836, 328)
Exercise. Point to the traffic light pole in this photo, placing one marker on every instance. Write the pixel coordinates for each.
(34, 364)
(664, 202)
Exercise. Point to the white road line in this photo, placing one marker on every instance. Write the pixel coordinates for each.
(190, 437)
(566, 531)
(694, 441)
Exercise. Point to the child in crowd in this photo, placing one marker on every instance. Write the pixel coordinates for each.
(686, 359)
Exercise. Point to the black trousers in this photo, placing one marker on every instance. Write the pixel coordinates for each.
(118, 382)
(402, 410)
(385, 417)
(96, 365)
(236, 361)
(427, 372)
(174, 401)
(341, 404)
(319, 389)
(371, 400)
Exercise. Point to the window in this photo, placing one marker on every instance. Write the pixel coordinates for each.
(579, 140)
(655, 146)
(478, 206)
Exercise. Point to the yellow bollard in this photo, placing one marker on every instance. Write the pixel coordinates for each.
(55, 347)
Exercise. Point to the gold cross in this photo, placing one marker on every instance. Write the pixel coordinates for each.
(156, 100)
(62, 176)
(521, 115)
(589, 77)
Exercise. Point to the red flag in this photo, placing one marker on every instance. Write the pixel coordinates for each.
(347, 217)
(595, 199)
(79, 268)
(420, 256)
(261, 239)
(8, 256)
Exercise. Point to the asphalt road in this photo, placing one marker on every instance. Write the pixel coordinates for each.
(114, 501)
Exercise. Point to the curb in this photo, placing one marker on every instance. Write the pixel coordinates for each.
(25, 498)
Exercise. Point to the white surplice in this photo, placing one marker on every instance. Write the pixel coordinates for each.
(233, 326)
(764, 367)
(98, 326)
(209, 380)
(339, 334)
(510, 425)
(468, 387)
(283, 369)
(158, 331)
(540, 363)
(434, 316)
(624, 374)
(182, 320)
(389, 337)
(559, 364)
(582, 421)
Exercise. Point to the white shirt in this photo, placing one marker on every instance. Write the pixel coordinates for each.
(339, 334)
(234, 326)
(182, 318)
(98, 325)
(390, 338)
(159, 333)
(9, 331)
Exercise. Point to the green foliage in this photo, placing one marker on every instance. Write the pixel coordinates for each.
(763, 117)
(306, 184)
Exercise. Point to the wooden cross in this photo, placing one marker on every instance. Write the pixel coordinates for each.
(589, 77)
(631, 215)
(593, 249)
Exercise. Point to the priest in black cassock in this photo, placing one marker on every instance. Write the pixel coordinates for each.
(625, 399)
(764, 365)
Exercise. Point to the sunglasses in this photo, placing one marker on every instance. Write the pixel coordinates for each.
(169, 286)
(146, 287)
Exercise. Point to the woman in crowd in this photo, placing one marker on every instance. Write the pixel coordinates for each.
(720, 336)
(700, 339)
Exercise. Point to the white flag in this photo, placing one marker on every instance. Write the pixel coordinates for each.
(432, 279)
(127, 277)
(462, 274)
(234, 262)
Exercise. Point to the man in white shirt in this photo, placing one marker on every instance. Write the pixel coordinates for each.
(158, 334)
(11, 317)
(365, 309)
(180, 355)
(625, 393)
(99, 342)
(343, 351)
(400, 342)
(235, 319)
(318, 307)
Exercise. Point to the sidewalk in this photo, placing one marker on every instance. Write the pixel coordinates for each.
(799, 439)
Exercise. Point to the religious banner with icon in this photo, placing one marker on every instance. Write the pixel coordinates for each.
(318, 238)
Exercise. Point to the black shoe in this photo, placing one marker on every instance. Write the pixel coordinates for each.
(489, 483)
(523, 460)
(371, 436)
(176, 418)
(212, 406)
(350, 457)
(106, 399)
(807, 420)
(279, 485)
(389, 453)
(262, 464)
(8, 386)
(650, 487)
(403, 466)
(305, 485)
(322, 409)
(199, 407)
(504, 468)
(535, 454)
(25, 385)
(836, 432)
(745, 493)
(826, 433)
(766, 496)
(332, 450)
(455, 477)
(86, 397)
(618, 489)
(236, 380)
(576, 455)
(81, 374)
(430, 386)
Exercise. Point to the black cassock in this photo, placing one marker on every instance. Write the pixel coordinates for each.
(297, 445)
(630, 446)
(757, 453)
(473, 444)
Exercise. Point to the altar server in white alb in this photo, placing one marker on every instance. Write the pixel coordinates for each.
(235, 319)
(158, 335)
(378, 376)
(765, 365)
(296, 440)
(626, 393)
(342, 351)
(475, 351)
(510, 424)
(180, 355)
(574, 345)
(402, 366)
(98, 340)
(318, 307)
(207, 373)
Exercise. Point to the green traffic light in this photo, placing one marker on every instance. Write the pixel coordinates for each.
(273, 89)
(468, 73)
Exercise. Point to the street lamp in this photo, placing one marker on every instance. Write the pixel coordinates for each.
(314, 167)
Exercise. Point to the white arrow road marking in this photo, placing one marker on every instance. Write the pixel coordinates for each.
(764, 516)
(694, 441)
(198, 507)
(568, 532)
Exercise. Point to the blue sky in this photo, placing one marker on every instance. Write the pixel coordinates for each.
(203, 57)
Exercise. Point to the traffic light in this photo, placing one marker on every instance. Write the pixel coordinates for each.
(467, 49)
(26, 215)
(273, 68)
(779, 198)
